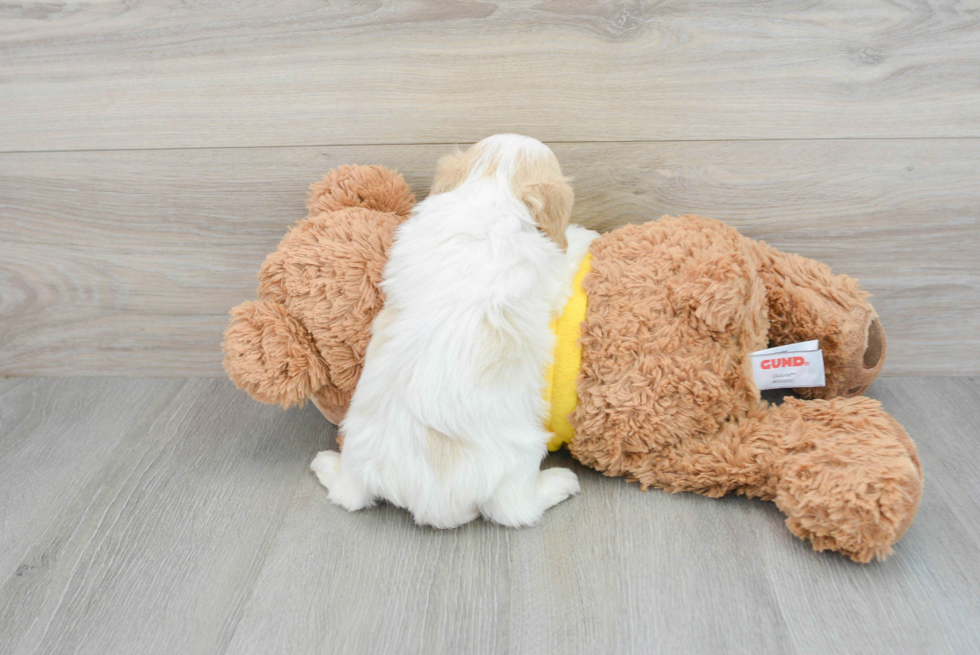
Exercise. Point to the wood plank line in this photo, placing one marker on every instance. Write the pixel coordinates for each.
(157, 552)
(55, 436)
(126, 263)
(612, 570)
(456, 143)
(176, 74)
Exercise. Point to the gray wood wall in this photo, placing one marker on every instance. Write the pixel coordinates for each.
(152, 153)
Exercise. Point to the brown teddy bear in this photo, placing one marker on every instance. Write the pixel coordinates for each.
(665, 390)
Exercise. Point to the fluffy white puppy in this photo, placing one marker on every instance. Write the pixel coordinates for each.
(447, 418)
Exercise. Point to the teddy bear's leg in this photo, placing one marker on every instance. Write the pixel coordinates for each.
(807, 302)
(844, 471)
(849, 478)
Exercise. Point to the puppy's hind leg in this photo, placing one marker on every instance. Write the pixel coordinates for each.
(346, 489)
(521, 501)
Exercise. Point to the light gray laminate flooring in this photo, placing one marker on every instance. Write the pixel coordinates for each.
(178, 516)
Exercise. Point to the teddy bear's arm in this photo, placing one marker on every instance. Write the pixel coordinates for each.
(271, 355)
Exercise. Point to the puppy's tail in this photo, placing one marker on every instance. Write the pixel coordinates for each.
(371, 187)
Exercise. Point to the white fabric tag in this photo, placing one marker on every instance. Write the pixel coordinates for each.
(791, 366)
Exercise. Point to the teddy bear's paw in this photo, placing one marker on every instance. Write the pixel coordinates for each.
(556, 484)
(853, 481)
(271, 355)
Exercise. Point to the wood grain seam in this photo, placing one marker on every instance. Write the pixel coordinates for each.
(453, 143)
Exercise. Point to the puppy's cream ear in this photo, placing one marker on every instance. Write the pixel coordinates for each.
(453, 169)
(550, 203)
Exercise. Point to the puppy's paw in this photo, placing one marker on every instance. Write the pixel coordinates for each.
(325, 465)
(345, 489)
(557, 484)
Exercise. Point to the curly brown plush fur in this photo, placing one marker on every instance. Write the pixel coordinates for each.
(318, 293)
(667, 398)
(666, 393)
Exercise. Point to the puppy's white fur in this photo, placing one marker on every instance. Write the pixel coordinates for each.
(446, 420)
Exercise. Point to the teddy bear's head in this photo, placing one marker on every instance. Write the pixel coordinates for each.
(807, 301)
(306, 334)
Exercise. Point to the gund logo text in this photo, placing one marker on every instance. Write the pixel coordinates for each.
(782, 362)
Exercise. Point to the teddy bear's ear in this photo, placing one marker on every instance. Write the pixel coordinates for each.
(370, 187)
(270, 355)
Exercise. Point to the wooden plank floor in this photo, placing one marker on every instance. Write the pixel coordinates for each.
(178, 516)
(153, 152)
(169, 74)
